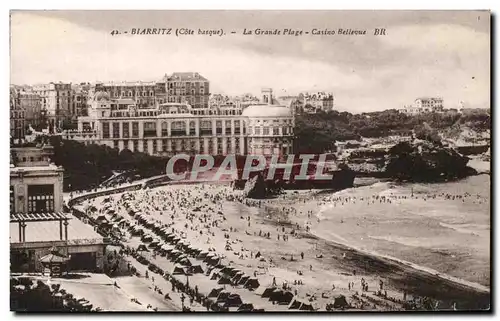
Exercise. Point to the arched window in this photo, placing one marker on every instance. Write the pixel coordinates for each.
(178, 128)
(192, 128)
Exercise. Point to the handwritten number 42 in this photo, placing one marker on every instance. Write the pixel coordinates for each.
(115, 32)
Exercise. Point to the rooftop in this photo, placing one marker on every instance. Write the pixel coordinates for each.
(49, 231)
(266, 111)
(183, 76)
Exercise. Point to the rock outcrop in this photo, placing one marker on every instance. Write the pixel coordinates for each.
(423, 161)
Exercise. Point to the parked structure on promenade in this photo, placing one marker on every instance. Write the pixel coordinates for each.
(169, 128)
(37, 221)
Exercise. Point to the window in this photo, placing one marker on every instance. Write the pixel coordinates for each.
(125, 144)
(266, 131)
(178, 128)
(135, 146)
(206, 128)
(135, 129)
(192, 128)
(237, 145)
(164, 129)
(155, 147)
(126, 130)
(257, 131)
(116, 130)
(218, 127)
(40, 198)
(12, 200)
(219, 146)
(276, 131)
(149, 129)
(164, 145)
(228, 127)
(237, 128)
(202, 146)
(210, 146)
(105, 130)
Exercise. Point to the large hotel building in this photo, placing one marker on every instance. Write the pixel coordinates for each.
(180, 87)
(182, 121)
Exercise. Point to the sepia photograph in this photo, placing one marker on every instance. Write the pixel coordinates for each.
(329, 161)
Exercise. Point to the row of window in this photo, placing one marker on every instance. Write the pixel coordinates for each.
(184, 145)
(40, 198)
(183, 92)
(266, 131)
(177, 128)
(186, 84)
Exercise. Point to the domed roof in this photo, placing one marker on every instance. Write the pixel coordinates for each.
(266, 111)
(101, 95)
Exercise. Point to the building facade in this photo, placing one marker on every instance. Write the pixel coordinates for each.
(80, 96)
(57, 103)
(36, 185)
(144, 94)
(270, 127)
(31, 103)
(424, 105)
(17, 116)
(188, 88)
(173, 128)
(311, 102)
(37, 221)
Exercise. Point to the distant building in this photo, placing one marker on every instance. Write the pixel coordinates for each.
(80, 97)
(144, 94)
(17, 115)
(31, 103)
(424, 105)
(37, 221)
(270, 127)
(312, 102)
(172, 128)
(57, 103)
(180, 87)
(188, 88)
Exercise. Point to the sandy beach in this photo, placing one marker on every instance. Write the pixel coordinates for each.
(346, 238)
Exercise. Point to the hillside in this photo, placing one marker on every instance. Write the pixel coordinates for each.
(317, 133)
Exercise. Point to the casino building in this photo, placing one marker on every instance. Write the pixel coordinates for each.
(37, 221)
(170, 128)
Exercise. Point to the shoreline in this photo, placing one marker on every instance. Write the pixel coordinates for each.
(460, 290)
(419, 268)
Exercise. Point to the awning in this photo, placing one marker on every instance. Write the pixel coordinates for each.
(38, 217)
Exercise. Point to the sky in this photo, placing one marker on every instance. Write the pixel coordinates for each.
(424, 53)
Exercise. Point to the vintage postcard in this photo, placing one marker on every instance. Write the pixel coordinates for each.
(250, 161)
